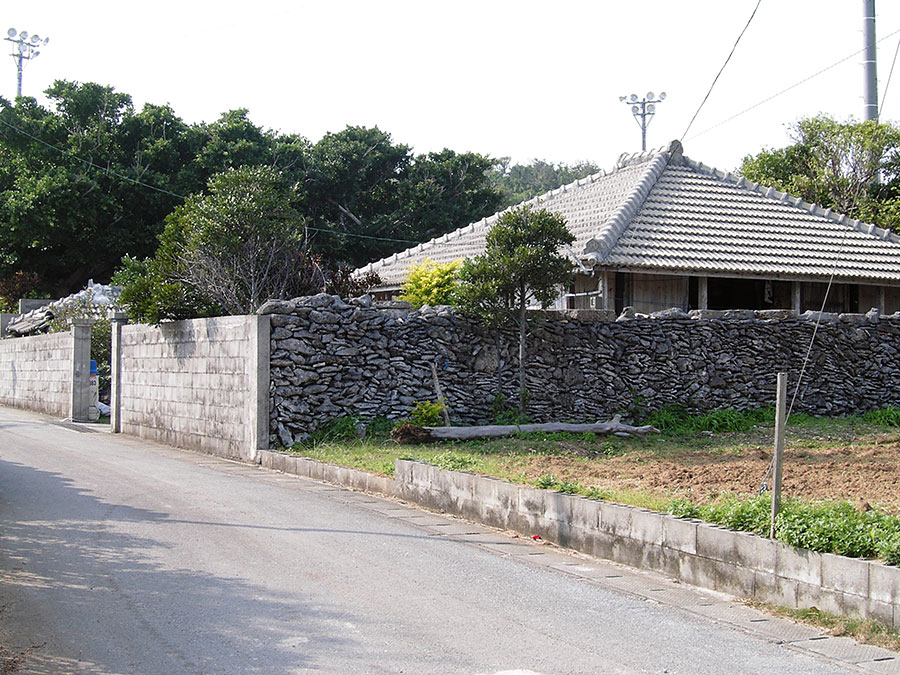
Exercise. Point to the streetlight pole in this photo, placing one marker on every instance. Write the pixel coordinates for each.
(643, 110)
(25, 47)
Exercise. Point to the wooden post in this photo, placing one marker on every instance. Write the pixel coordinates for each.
(440, 396)
(702, 292)
(796, 299)
(606, 287)
(781, 397)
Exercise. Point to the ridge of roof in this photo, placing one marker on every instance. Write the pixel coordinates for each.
(625, 160)
(786, 198)
(602, 243)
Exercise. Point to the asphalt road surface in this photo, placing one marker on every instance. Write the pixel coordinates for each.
(122, 556)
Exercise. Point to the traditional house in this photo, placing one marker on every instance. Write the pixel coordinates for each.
(660, 230)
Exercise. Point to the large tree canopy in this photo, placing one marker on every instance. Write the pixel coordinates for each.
(90, 180)
(851, 167)
(520, 182)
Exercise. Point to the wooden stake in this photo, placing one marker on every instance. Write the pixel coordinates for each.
(779, 448)
(440, 396)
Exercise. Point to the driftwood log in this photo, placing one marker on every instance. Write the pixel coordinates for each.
(411, 433)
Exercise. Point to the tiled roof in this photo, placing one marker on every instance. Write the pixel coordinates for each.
(659, 211)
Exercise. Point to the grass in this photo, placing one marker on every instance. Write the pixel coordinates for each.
(828, 526)
(866, 631)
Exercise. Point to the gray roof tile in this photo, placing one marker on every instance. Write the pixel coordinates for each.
(661, 211)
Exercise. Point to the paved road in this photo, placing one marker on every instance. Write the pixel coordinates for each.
(121, 556)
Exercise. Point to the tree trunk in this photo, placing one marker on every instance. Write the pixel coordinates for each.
(410, 433)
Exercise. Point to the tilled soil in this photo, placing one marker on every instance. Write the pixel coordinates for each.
(867, 474)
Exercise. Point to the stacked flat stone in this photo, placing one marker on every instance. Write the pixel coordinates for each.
(366, 359)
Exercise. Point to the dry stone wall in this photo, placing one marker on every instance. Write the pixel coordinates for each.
(330, 359)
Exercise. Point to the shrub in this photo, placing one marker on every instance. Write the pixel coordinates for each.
(431, 283)
(427, 414)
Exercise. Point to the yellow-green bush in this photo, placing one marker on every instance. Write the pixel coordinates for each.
(431, 283)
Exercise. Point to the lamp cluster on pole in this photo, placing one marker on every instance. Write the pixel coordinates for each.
(643, 110)
(24, 47)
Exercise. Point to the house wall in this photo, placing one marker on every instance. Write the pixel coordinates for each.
(654, 292)
(331, 359)
(200, 384)
(36, 373)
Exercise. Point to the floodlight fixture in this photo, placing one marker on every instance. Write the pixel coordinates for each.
(23, 49)
(643, 110)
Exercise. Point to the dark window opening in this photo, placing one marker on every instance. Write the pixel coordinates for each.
(748, 294)
(693, 293)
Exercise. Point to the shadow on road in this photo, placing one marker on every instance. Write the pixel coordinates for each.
(96, 599)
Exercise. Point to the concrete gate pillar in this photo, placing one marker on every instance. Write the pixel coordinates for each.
(81, 370)
(115, 372)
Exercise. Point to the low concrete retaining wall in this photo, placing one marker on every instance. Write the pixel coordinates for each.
(48, 373)
(328, 473)
(740, 564)
(200, 384)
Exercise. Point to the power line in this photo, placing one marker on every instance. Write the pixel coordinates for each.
(716, 79)
(890, 73)
(789, 88)
(362, 236)
(89, 163)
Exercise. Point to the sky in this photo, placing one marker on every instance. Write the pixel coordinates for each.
(508, 78)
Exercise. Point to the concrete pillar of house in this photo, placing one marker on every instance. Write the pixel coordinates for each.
(702, 292)
(881, 300)
(115, 372)
(796, 299)
(81, 369)
(260, 333)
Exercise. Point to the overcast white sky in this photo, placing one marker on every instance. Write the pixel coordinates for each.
(518, 78)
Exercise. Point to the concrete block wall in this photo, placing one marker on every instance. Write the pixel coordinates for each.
(37, 373)
(201, 384)
(737, 563)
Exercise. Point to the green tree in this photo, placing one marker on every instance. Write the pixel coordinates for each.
(240, 243)
(68, 207)
(851, 167)
(431, 283)
(517, 183)
(368, 197)
(226, 251)
(521, 263)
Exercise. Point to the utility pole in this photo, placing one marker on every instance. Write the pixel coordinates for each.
(24, 49)
(643, 110)
(870, 62)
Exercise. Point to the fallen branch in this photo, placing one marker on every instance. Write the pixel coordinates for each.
(411, 433)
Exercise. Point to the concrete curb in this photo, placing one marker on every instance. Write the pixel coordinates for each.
(704, 555)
